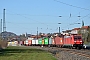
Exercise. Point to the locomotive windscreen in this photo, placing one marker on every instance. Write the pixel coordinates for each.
(77, 37)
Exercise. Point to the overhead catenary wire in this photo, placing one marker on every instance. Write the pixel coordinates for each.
(38, 21)
(31, 19)
(77, 20)
(27, 17)
(71, 5)
(32, 15)
(45, 23)
(37, 15)
(35, 20)
(75, 7)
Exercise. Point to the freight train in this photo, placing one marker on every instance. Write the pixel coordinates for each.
(71, 41)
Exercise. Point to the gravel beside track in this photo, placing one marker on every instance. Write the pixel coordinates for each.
(66, 54)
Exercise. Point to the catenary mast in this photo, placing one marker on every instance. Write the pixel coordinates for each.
(4, 25)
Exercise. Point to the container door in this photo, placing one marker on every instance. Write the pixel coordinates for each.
(50, 40)
(29, 42)
(53, 42)
(40, 41)
(21, 42)
(61, 41)
(36, 42)
(46, 41)
(43, 41)
(33, 42)
(57, 40)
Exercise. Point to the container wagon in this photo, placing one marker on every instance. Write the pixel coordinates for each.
(58, 41)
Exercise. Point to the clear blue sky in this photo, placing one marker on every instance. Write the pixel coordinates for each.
(26, 15)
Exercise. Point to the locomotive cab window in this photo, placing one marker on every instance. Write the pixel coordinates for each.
(77, 37)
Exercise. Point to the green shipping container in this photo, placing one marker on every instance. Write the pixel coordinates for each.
(40, 41)
(46, 41)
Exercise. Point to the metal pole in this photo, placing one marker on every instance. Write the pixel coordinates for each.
(37, 32)
(4, 26)
(1, 25)
(1, 28)
(59, 30)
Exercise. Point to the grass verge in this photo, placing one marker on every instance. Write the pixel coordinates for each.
(22, 53)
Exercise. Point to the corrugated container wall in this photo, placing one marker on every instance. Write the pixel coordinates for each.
(33, 41)
(21, 42)
(29, 42)
(26, 42)
(50, 40)
(53, 41)
(40, 41)
(57, 40)
(36, 42)
(61, 40)
(46, 41)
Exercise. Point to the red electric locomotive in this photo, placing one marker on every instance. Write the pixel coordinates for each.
(71, 41)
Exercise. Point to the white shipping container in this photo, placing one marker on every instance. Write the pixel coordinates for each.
(33, 41)
(26, 41)
(36, 42)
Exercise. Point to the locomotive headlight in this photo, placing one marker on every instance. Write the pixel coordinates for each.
(80, 41)
(74, 41)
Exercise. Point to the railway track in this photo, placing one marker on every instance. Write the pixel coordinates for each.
(83, 53)
(66, 53)
(79, 53)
